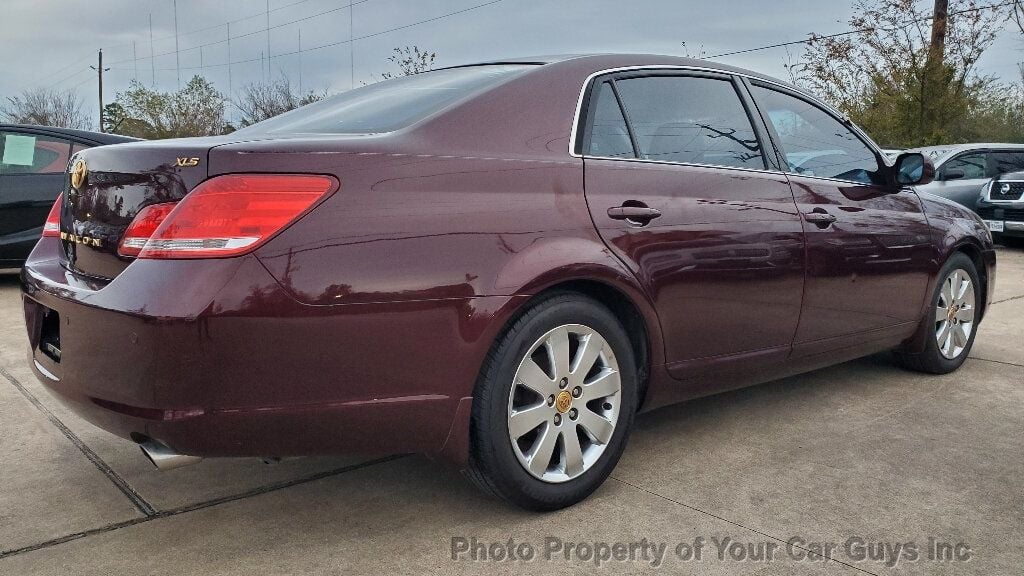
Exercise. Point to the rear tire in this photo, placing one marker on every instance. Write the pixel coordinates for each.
(547, 427)
(951, 321)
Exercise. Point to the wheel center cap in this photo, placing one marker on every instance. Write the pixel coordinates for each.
(951, 313)
(563, 401)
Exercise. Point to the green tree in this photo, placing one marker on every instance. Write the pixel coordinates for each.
(197, 109)
(891, 80)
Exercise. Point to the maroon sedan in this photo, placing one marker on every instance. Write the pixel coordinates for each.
(497, 265)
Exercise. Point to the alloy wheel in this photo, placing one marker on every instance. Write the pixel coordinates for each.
(954, 314)
(564, 403)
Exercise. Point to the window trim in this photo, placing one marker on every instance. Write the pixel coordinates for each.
(588, 83)
(594, 81)
(857, 133)
(588, 128)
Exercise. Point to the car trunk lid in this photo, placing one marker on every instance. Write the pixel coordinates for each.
(113, 184)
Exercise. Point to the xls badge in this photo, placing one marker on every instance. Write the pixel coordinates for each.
(186, 162)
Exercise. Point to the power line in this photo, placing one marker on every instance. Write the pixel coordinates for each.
(857, 31)
(253, 33)
(205, 28)
(58, 71)
(349, 41)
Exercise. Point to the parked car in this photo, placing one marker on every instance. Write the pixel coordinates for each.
(497, 265)
(1001, 205)
(33, 170)
(961, 170)
(892, 153)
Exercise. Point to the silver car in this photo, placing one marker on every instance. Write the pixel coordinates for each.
(961, 170)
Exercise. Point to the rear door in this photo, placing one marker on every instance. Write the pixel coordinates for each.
(682, 193)
(32, 168)
(869, 252)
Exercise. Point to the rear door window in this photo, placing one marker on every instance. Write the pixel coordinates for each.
(25, 153)
(691, 120)
(608, 135)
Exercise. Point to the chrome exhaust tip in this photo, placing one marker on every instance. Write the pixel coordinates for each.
(163, 457)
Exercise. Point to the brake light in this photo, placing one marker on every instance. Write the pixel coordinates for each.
(52, 226)
(142, 227)
(228, 215)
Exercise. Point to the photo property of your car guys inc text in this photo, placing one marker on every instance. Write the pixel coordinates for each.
(511, 287)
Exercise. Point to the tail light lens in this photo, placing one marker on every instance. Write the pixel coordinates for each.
(52, 226)
(142, 227)
(224, 216)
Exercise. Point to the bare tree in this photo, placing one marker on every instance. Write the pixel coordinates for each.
(262, 100)
(410, 60)
(62, 109)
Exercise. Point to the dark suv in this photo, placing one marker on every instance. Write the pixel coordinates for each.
(33, 169)
(1001, 205)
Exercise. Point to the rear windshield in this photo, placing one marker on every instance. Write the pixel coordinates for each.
(387, 105)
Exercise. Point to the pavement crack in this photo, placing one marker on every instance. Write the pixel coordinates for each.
(1008, 299)
(137, 500)
(737, 524)
(193, 507)
(1003, 362)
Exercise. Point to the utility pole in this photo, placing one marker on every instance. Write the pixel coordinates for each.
(940, 22)
(932, 81)
(177, 55)
(351, 47)
(231, 91)
(269, 73)
(152, 58)
(99, 71)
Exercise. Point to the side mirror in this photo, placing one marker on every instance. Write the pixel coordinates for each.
(954, 174)
(913, 169)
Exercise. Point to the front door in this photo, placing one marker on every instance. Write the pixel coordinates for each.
(682, 195)
(869, 252)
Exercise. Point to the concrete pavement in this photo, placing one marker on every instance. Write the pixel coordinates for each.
(863, 454)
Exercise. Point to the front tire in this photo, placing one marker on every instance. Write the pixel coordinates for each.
(554, 405)
(952, 320)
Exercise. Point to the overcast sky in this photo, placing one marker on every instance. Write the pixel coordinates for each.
(52, 43)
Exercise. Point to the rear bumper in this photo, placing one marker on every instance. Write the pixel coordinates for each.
(214, 358)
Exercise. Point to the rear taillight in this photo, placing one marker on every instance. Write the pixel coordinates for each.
(142, 227)
(52, 226)
(224, 216)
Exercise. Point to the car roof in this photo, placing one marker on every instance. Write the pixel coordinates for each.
(628, 60)
(96, 137)
(941, 153)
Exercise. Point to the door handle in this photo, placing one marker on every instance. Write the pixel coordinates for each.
(635, 214)
(819, 218)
